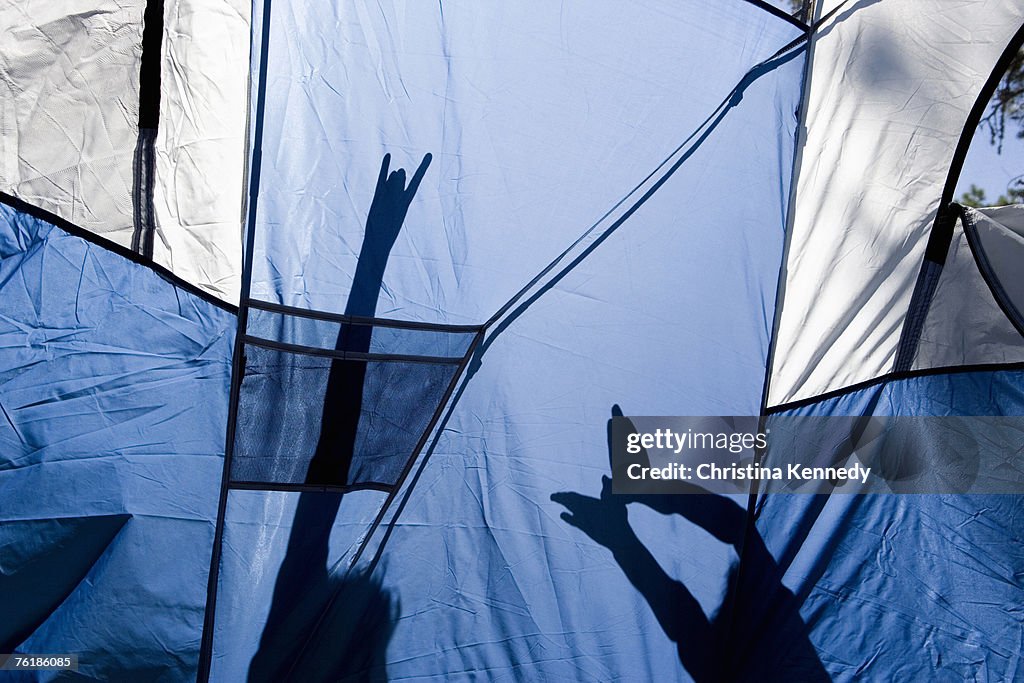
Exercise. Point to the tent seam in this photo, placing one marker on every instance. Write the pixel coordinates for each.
(107, 244)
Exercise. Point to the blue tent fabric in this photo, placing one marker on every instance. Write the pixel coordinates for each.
(497, 99)
(257, 539)
(909, 586)
(114, 390)
(474, 567)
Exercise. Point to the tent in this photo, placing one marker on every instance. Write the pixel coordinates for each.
(314, 314)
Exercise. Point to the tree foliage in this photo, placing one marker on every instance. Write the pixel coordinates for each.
(976, 196)
(1007, 105)
(1005, 114)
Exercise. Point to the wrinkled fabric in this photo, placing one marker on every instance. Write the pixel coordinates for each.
(114, 398)
(540, 119)
(909, 587)
(69, 108)
(69, 125)
(594, 223)
(201, 144)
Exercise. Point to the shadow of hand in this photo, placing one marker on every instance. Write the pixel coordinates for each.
(603, 519)
(391, 200)
(700, 640)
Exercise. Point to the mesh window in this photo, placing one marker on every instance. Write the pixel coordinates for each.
(287, 417)
(331, 401)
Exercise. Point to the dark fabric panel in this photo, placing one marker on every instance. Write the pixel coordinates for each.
(44, 561)
(920, 304)
(143, 181)
(288, 415)
(149, 72)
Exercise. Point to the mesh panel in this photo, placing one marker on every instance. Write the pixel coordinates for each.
(283, 424)
(347, 409)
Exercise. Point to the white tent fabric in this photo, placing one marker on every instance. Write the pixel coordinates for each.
(200, 149)
(69, 110)
(891, 86)
(965, 325)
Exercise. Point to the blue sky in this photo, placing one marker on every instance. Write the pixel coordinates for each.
(989, 170)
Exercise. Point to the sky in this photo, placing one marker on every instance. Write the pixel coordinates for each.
(989, 170)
